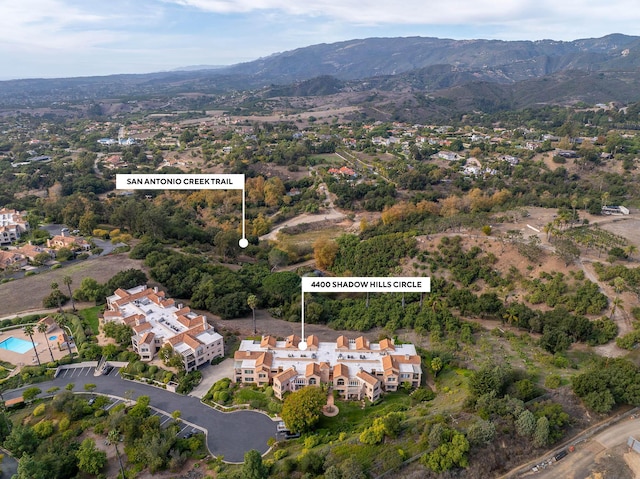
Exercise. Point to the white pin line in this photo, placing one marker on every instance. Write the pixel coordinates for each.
(310, 284)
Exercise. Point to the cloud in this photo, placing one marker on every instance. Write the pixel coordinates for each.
(435, 12)
(64, 24)
(84, 36)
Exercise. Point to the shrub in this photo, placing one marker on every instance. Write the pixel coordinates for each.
(39, 410)
(553, 381)
(43, 429)
(280, 453)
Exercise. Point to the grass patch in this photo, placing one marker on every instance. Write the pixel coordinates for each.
(306, 240)
(352, 415)
(90, 316)
(452, 390)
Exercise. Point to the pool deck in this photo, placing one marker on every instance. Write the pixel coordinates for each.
(29, 358)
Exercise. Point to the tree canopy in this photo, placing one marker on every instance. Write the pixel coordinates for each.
(302, 409)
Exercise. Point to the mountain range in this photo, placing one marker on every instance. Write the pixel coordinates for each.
(477, 74)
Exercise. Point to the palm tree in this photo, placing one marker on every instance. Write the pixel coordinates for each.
(252, 301)
(616, 303)
(114, 436)
(28, 329)
(549, 229)
(63, 322)
(67, 280)
(574, 205)
(42, 328)
(511, 316)
(618, 284)
(630, 250)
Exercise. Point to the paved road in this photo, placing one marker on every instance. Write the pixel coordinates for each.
(229, 435)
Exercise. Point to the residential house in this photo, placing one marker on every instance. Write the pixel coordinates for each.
(11, 259)
(74, 243)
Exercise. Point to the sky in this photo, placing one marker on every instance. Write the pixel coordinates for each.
(66, 38)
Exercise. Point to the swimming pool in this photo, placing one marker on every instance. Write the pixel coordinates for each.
(16, 345)
(53, 338)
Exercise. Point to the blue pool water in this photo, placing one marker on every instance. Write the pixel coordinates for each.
(16, 345)
(51, 338)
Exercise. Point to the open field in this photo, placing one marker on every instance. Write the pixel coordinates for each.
(27, 293)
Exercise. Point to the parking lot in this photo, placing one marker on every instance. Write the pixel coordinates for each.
(82, 372)
(187, 430)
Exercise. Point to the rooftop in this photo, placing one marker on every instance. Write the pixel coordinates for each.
(356, 359)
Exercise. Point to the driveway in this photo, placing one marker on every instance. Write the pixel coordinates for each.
(212, 374)
(229, 435)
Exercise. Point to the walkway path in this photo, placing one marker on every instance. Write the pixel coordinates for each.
(229, 435)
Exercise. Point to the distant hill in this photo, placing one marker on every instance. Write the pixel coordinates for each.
(509, 61)
(427, 73)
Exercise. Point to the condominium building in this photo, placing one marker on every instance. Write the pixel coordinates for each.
(12, 224)
(157, 321)
(355, 368)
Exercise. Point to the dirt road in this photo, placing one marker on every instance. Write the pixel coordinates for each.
(331, 213)
(606, 446)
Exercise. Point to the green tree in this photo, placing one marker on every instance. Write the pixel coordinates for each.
(29, 330)
(436, 365)
(525, 389)
(392, 423)
(31, 393)
(30, 468)
(91, 290)
(481, 432)
(374, 434)
(526, 423)
(277, 258)
(541, 433)
(252, 301)
(109, 351)
(281, 287)
(64, 254)
(451, 453)
(90, 459)
(253, 468)
(302, 409)
(21, 440)
(600, 401)
(56, 291)
(488, 379)
(5, 425)
(68, 281)
(127, 279)
(141, 408)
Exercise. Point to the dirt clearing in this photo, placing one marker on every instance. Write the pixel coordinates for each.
(27, 293)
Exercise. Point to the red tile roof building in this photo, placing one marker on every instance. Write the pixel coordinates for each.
(157, 321)
(355, 368)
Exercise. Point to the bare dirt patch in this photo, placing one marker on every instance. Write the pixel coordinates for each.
(26, 294)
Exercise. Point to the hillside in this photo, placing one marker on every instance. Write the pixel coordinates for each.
(484, 75)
